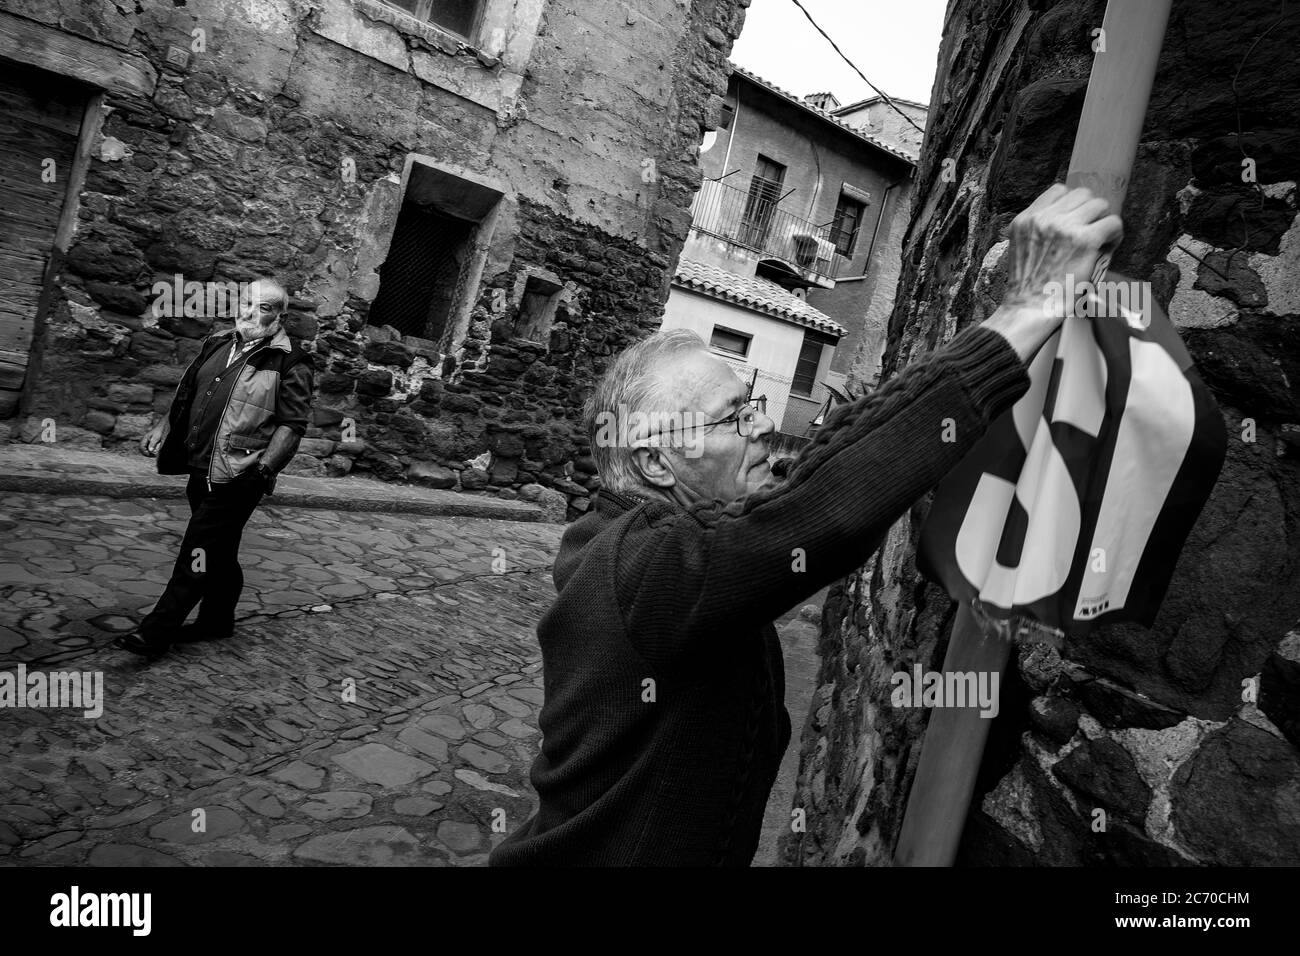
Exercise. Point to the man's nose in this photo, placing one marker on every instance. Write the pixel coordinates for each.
(762, 425)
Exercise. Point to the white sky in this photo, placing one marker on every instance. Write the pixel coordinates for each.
(894, 42)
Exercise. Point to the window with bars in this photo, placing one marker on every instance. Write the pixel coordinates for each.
(458, 16)
(419, 281)
(848, 218)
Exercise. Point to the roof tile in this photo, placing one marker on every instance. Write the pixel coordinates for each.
(762, 295)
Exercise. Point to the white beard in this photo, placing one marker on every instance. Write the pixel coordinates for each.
(251, 329)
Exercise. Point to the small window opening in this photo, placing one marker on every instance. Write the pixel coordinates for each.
(458, 16)
(537, 309)
(730, 341)
(420, 279)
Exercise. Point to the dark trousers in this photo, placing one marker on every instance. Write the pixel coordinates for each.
(207, 568)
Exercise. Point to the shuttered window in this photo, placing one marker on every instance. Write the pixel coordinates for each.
(761, 201)
(805, 370)
(844, 232)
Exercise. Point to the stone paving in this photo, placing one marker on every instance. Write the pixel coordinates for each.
(377, 706)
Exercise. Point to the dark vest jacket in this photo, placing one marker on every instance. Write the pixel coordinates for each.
(246, 416)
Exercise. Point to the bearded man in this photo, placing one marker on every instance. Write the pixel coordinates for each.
(236, 419)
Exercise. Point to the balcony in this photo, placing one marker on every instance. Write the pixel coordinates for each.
(753, 221)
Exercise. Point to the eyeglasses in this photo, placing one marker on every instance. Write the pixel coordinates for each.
(744, 417)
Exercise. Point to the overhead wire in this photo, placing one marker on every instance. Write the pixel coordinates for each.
(879, 92)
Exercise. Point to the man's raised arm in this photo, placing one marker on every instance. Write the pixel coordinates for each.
(715, 567)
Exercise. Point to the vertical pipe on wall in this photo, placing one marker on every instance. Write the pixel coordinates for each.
(731, 134)
(884, 201)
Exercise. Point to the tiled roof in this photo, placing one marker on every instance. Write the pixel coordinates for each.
(761, 295)
(907, 157)
(879, 99)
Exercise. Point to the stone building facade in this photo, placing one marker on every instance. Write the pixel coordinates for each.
(472, 215)
(841, 184)
(800, 215)
(874, 294)
(1185, 734)
(896, 121)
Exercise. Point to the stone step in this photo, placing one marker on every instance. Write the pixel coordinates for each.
(38, 469)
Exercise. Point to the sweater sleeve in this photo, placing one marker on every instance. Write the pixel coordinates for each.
(720, 569)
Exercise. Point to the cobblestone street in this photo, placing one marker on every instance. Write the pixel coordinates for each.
(377, 705)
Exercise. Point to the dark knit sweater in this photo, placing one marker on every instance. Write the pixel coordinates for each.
(664, 721)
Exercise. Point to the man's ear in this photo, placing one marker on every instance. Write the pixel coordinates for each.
(653, 467)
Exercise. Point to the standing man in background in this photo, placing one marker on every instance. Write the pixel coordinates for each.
(236, 419)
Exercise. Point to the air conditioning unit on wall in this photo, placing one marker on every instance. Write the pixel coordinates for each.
(812, 250)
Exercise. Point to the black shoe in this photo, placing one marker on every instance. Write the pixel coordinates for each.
(148, 646)
(196, 632)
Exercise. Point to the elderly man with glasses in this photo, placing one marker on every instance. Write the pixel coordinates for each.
(664, 721)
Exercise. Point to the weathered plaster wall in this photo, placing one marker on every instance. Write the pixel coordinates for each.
(864, 305)
(819, 158)
(773, 347)
(589, 124)
(887, 123)
(1157, 727)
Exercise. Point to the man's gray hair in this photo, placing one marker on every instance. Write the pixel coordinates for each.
(639, 381)
(280, 294)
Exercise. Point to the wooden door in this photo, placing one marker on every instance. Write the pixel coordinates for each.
(40, 121)
(761, 202)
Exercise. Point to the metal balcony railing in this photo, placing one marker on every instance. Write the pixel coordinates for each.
(755, 221)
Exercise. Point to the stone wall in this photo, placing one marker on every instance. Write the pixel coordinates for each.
(239, 164)
(1186, 733)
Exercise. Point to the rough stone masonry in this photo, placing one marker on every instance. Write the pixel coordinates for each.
(1184, 735)
(275, 142)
